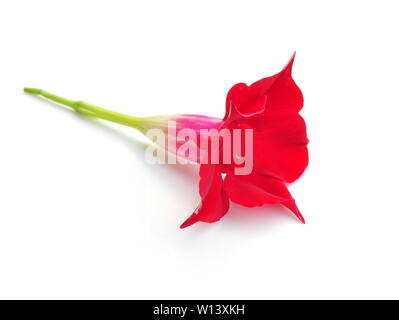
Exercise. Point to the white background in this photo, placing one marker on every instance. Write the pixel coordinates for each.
(82, 215)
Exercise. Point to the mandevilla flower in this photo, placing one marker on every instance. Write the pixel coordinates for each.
(263, 116)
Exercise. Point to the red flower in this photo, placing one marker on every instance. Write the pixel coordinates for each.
(270, 107)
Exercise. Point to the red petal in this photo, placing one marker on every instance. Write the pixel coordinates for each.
(256, 190)
(214, 201)
(283, 94)
(291, 205)
(281, 151)
(244, 101)
(275, 93)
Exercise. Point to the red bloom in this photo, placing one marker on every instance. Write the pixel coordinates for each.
(270, 107)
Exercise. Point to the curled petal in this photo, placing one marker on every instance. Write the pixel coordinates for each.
(256, 190)
(278, 93)
(214, 201)
(244, 101)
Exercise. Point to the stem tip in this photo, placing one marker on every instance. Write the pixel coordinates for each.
(32, 90)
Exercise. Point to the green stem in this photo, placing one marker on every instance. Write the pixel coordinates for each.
(89, 109)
